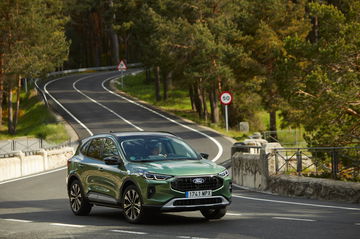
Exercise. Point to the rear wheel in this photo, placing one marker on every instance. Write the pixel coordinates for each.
(213, 213)
(78, 203)
(132, 205)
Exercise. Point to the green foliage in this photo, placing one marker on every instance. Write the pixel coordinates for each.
(325, 79)
(37, 121)
(33, 39)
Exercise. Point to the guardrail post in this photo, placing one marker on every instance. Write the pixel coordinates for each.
(299, 162)
(276, 162)
(13, 145)
(335, 164)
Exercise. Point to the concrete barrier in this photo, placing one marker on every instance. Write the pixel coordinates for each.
(250, 170)
(256, 171)
(22, 165)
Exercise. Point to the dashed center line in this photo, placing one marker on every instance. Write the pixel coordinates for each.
(130, 232)
(16, 220)
(294, 219)
(66, 225)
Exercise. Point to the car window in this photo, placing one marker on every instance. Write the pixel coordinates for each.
(94, 149)
(84, 148)
(110, 149)
(152, 148)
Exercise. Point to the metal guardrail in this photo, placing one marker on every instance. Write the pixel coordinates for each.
(101, 68)
(334, 162)
(323, 162)
(14, 147)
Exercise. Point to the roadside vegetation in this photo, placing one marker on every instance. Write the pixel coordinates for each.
(178, 103)
(288, 63)
(35, 120)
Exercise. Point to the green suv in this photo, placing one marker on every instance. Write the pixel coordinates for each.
(145, 171)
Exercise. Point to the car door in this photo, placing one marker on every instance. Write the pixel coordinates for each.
(93, 169)
(112, 175)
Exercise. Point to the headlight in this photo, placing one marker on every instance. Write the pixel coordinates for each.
(224, 173)
(155, 176)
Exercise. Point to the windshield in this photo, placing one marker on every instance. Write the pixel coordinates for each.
(155, 148)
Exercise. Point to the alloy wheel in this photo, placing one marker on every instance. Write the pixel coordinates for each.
(132, 205)
(75, 197)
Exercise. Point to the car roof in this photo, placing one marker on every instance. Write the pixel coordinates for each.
(130, 133)
(141, 133)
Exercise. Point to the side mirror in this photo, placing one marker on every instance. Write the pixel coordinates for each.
(112, 160)
(205, 156)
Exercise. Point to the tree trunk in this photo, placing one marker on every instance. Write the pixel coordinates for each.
(167, 78)
(157, 83)
(10, 109)
(17, 109)
(199, 100)
(115, 47)
(114, 38)
(205, 112)
(273, 129)
(214, 105)
(191, 95)
(148, 75)
(1, 90)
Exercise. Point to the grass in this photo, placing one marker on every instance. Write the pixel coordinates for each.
(178, 103)
(35, 120)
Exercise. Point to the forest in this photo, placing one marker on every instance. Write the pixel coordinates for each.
(299, 59)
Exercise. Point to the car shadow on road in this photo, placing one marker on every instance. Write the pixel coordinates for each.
(58, 211)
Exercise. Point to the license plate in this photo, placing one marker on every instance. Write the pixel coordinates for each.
(198, 194)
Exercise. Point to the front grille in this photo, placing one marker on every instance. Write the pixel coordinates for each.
(187, 184)
(195, 202)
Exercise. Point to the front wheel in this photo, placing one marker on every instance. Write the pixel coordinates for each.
(78, 203)
(132, 205)
(213, 213)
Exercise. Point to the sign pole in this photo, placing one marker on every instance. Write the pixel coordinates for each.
(122, 79)
(122, 67)
(225, 99)
(226, 118)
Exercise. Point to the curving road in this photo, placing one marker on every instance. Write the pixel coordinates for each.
(37, 206)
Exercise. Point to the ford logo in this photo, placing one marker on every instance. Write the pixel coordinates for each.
(198, 180)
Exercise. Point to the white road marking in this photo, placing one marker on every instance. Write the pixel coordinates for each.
(233, 214)
(189, 237)
(220, 148)
(105, 107)
(357, 224)
(16, 220)
(294, 219)
(33, 175)
(130, 232)
(67, 225)
(67, 111)
(297, 203)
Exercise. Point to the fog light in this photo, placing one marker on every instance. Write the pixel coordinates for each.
(151, 191)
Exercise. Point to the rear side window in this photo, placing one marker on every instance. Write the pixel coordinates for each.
(84, 148)
(95, 148)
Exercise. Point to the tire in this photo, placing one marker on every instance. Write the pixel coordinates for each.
(213, 213)
(78, 202)
(132, 205)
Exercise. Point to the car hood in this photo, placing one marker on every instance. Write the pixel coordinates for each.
(179, 167)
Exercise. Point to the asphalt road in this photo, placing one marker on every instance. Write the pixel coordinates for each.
(37, 207)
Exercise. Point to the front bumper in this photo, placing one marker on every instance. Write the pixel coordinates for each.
(165, 198)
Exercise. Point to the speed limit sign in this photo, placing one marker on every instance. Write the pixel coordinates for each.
(226, 98)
